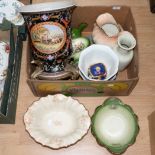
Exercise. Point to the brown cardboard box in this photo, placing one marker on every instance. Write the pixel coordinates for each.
(126, 80)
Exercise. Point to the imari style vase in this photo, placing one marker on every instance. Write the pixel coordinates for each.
(49, 27)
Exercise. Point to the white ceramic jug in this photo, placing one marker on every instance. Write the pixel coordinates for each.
(124, 49)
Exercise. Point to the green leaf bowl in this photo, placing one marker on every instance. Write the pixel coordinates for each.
(115, 125)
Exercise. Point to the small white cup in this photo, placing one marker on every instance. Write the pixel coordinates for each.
(98, 54)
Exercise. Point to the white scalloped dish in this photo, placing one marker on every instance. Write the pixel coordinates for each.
(57, 121)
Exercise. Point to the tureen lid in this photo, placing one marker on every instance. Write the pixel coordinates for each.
(49, 6)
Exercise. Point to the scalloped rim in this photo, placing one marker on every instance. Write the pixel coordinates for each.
(48, 6)
(82, 136)
(111, 148)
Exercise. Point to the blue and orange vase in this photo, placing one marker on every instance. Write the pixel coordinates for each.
(50, 37)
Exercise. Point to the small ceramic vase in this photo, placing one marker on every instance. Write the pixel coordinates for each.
(49, 26)
(108, 24)
(124, 49)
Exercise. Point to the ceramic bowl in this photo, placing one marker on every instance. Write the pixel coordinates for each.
(115, 125)
(57, 121)
(98, 54)
(4, 59)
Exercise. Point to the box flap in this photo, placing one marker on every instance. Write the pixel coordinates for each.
(152, 132)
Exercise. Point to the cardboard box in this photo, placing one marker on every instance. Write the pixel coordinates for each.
(126, 80)
(151, 119)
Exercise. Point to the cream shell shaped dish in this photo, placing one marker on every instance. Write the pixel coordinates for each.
(4, 60)
(57, 121)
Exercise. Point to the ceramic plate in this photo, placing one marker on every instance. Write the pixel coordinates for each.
(57, 121)
(4, 59)
(115, 125)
